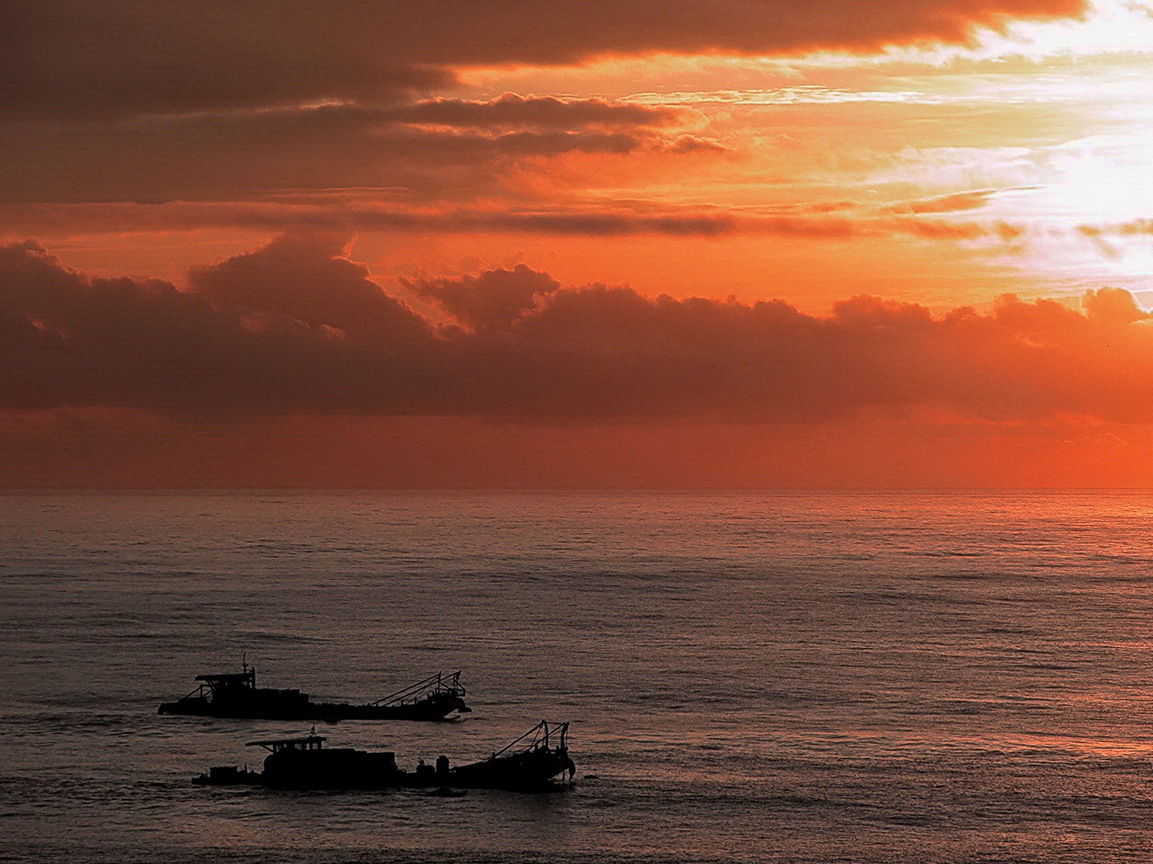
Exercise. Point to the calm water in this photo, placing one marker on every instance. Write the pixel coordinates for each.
(801, 677)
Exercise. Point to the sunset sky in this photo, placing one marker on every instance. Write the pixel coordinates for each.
(640, 243)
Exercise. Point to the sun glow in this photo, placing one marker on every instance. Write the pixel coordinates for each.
(1110, 27)
(1098, 179)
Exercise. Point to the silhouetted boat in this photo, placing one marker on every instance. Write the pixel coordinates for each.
(236, 695)
(530, 763)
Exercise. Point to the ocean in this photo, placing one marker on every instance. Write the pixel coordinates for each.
(807, 676)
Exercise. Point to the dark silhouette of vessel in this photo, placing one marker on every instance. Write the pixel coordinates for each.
(236, 695)
(530, 763)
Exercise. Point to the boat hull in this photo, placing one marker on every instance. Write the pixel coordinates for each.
(327, 712)
(303, 763)
(235, 695)
(354, 769)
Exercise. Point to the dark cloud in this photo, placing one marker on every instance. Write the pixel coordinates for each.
(96, 58)
(145, 100)
(490, 302)
(126, 343)
(68, 56)
(296, 328)
(304, 277)
(351, 216)
(109, 100)
(225, 155)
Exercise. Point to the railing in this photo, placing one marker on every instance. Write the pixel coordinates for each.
(541, 735)
(434, 684)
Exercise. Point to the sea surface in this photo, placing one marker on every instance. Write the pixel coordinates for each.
(750, 677)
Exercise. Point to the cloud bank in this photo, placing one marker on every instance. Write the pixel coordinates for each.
(127, 100)
(606, 220)
(298, 328)
(64, 56)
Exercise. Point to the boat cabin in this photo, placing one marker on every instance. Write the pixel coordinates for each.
(227, 682)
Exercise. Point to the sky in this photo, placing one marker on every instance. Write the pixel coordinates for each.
(638, 243)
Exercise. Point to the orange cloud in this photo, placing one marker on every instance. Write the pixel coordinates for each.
(972, 200)
(513, 110)
(1133, 228)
